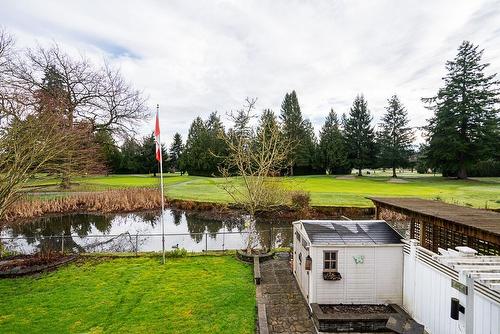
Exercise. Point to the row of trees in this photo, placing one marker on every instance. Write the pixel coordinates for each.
(343, 144)
(137, 156)
(462, 136)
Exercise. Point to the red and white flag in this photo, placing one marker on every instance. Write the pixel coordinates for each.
(157, 137)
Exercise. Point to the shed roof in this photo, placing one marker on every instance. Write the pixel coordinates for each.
(350, 232)
(484, 220)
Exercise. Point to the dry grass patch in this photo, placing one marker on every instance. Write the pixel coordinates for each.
(104, 202)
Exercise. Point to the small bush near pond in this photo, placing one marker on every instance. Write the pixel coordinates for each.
(194, 294)
(178, 252)
(300, 199)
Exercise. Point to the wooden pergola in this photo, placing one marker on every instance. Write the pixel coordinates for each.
(440, 225)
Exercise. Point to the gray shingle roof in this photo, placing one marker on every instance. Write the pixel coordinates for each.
(350, 232)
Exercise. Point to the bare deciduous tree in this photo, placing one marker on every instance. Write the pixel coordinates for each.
(98, 96)
(36, 139)
(255, 155)
(40, 144)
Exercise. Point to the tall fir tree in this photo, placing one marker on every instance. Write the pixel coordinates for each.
(205, 149)
(332, 147)
(175, 152)
(217, 147)
(148, 162)
(268, 121)
(109, 150)
(300, 133)
(194, 155)
(267, 127)
(131, 156)
(465, 125)
(395, 137)
(359, 135)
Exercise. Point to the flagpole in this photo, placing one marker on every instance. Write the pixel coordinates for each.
(162, 197)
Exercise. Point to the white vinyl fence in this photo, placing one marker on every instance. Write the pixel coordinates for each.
(430, 283)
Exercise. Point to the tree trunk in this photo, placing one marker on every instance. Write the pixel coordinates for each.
(359, 172)
(394, 171)
(462, 172)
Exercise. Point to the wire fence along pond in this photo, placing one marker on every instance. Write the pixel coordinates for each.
(138, 232)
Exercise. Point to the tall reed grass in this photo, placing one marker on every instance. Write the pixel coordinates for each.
(104, 202)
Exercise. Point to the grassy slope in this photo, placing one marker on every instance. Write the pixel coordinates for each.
(325, 190)
(202, 294)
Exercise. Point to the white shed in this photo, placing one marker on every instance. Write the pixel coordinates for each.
(348, 262)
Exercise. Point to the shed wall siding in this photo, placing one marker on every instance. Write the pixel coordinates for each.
(299, 268)
(377, 280)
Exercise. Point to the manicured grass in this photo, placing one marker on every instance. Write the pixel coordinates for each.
(200, 294)
(324, 189)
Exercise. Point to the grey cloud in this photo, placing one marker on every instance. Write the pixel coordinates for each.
(194, 57)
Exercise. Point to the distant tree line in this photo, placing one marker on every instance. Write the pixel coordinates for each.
(137, 156)
(343, 144)
(462, 136)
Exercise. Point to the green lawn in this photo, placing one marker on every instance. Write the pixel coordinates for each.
(200, 294)
(324, 190)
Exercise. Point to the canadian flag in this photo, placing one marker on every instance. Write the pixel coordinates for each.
(157, 137)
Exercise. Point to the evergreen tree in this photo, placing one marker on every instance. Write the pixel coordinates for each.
(147, 156)
(217, 147)
(268, 122)
(175, 152)
(109, 150)
(300, 133)
(194, 153)
(130, 154)
(332, 149)
(241, 123)
(465, 125)
(359, 135)
(51, 95)
(205, 149)
(308, 155)
(395, 138)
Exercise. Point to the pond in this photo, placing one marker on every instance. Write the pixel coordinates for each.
(140, 231)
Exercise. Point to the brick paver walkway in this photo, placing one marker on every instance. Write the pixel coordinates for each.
(286, 307)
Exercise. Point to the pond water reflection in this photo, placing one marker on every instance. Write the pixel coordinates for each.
(139, 231)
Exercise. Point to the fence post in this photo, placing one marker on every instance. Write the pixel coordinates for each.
(223, 241)
(271, 238)
(206, 242)
(62, 243)
(136, 243)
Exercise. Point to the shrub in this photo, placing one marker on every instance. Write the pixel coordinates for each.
(484, 168)
(421, 167)
(178, 252)
(300, 199)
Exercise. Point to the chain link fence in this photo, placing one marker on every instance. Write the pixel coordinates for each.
(143, 242)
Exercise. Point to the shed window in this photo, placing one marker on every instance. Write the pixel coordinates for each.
(330, 261)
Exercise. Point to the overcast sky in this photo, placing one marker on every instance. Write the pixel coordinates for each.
(194, 57)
